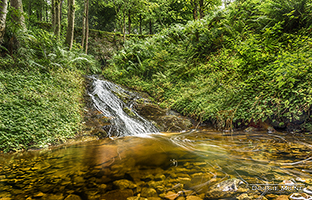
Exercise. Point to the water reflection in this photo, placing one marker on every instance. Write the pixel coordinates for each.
(204, 164)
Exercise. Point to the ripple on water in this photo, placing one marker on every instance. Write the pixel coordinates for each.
(197, 164)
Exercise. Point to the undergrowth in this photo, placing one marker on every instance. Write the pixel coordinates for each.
(41, 90)
(240, 64)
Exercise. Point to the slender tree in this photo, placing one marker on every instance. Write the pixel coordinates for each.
(71, 22)
(129, 21)
(18, 16)
(195, 5)
(53, 14)
(85, 26)
(3, 14)
(57, 18)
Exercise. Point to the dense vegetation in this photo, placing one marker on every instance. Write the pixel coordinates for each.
(248, 62)
(41, 91)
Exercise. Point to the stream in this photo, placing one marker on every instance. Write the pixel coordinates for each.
(138, 162)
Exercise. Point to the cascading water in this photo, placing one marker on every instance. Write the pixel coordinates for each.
(104, 95)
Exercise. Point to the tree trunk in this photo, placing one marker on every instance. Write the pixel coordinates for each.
(150, 27)
(87, 27)
(84, 24)
(19, 18)
(47, 16)
(61, 8)
(3, 14)
(129, 22)
(53, 14)
(195, 9)
(201, 9)
(57, 18)
(71, 23)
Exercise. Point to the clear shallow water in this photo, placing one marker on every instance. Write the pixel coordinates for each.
(205, 164)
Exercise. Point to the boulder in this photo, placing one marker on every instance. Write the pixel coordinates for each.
(165, 120)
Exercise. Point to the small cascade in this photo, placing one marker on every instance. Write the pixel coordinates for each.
(106, 97)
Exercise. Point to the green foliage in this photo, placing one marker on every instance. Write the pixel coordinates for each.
(38, 109)
(294, 14)
(41, 90)
(38, 48)
(244, 60)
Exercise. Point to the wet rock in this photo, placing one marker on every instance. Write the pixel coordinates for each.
(300, 196)
(153, 198)
(165, 120)
(308, 189)
(102, 188)
(148, 192)
(93, 195)
(250, 129)
(147, 177)
(54, 197)
(171, 195)
(136, 198)
(260, 197)
(72, 197)
(174, 123)
(79, 181)
(6, 198)
(150, 111)
(124, 184)
(282, 197)
(225, 189)
(244, 196)
(160, 177)
(118, 194)
(193, 198)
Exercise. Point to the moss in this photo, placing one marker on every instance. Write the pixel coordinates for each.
(128, 111)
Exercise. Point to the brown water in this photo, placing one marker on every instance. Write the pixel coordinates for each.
(192, 165)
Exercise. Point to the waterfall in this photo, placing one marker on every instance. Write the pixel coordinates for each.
(106, 97)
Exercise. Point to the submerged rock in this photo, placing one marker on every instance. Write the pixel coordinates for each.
(300, 196)
(225, 189)
(118, 194)
(73, 197)
(148, 192)
(124, 184)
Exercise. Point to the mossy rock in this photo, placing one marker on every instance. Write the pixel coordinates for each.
(129, 111)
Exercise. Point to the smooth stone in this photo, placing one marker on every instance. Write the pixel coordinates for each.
(282, 197)
(117, 194)
(72, 197)
(148, 192)
(124, 184)
(193, 198)
(171, 195)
